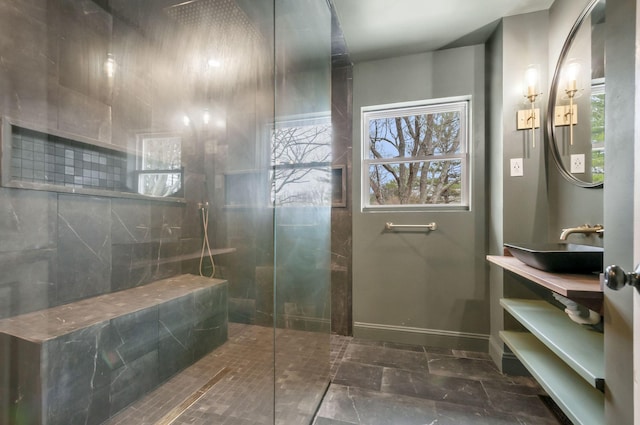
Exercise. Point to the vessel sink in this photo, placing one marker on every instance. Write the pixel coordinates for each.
(558, 257)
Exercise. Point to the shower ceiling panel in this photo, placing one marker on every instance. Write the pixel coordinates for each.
(203, 46)
(221, 17)
(220, 45)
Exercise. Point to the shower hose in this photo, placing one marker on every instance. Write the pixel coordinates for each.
(204, 210)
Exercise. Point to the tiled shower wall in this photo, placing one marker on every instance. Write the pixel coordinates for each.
(341, 238)
(56, 248)
(341, 222)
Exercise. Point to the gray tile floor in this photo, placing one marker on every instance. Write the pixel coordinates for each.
(245, 393)
(384, 383)
(373, 383)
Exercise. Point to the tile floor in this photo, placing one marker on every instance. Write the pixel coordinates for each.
(384, 383)
(244, 393)
(373, 383)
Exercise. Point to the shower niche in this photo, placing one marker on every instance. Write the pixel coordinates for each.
(44, 159)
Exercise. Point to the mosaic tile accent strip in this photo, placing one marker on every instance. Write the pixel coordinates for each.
(43, 158)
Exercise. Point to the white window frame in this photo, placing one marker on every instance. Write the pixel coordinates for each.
(449, 104)
(144, 140)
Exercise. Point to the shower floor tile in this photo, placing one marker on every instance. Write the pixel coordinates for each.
(245, 393)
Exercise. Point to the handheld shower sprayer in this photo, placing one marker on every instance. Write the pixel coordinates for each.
(203, 207)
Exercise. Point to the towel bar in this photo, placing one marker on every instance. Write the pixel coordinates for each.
(391, 226)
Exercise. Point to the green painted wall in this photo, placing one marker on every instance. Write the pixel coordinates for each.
(519, 206)
(433, 283)
(556, 203)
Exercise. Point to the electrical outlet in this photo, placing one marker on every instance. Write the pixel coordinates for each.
(516, 167)
(577, 163)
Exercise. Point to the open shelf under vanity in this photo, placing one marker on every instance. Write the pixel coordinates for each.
(566, 358)
(581, 402)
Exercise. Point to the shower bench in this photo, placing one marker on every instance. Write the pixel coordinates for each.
(81, 363)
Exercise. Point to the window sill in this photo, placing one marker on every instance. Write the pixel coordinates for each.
(415, 208)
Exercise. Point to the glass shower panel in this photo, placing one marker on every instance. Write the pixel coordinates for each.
(301, 193)
(126, 123)
(133, 132)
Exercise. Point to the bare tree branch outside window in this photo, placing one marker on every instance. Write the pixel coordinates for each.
(301, 160)
(160, 167)
(597, 133)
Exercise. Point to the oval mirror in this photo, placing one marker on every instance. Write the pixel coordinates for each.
(575, 114)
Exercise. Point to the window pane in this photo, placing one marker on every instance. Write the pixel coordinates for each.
(159, 184)
(300, 151)
(302, 186)
(597, 120)
(413, 136)
(301, 144)
(597, 165)
(597, 134)
(415, 183)
(161, 153)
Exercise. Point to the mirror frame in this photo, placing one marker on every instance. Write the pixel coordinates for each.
(553, 91)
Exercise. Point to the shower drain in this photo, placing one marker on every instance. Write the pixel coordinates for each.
(175, 413)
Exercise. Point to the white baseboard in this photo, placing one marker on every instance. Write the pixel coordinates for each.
(422, 336)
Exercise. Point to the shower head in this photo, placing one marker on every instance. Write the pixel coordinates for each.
(219, 46)
(215, 15)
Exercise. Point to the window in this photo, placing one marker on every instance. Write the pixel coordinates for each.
(160, 170)
(597, 131)
(301, 162)
(416, 156)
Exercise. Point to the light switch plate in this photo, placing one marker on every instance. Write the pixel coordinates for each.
(516, 167)
(577, 163)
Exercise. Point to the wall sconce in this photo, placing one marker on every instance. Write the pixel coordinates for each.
(570, 82)
(529, 119)
(110, 65)
(206, 119)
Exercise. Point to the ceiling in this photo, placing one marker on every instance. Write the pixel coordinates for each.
(375, 29)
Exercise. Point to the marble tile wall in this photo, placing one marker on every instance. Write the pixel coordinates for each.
(341, 237)
(57, 248)
(302, 298)
(60, 247)
(84, 245)
(28, 255)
